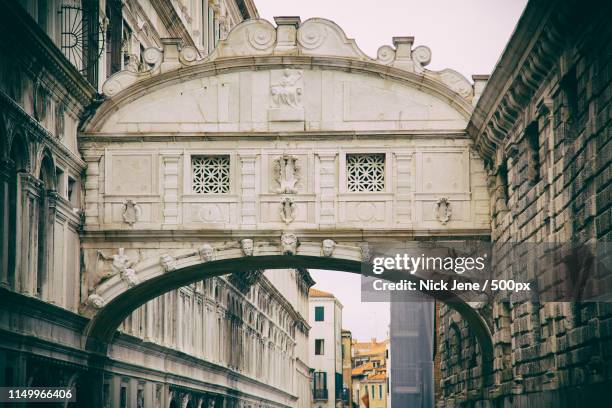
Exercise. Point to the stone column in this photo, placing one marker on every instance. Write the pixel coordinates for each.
(6, 169)
(92, 189)
(248, 213)
(327, 187)
(51, 285)
(170, 185)
(27, 236)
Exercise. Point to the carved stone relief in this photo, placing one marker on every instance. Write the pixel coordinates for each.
(328, 246)
(287, 210)
(443, 211)
(121, 265)
(60, 120)
(247, 246)
(207, 252)
(289, 243)
(286, 91)
(287, 174)
(131, 212)
(95, 301)
(168, 263)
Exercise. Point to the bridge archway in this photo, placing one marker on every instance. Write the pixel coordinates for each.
(276, 113)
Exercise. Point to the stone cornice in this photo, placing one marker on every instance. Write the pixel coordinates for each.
(197, 235)
(172, 21)
(20, 30)
(27, 122)
(527, 59)
(238, 64)
(99, 138)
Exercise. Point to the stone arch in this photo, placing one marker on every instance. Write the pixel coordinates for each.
(112, 302)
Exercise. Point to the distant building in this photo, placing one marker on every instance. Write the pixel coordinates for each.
(347, 367)
(411, 353)
(369, 374)
(325, 340)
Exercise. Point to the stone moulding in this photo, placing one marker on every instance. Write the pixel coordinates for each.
(316, 37)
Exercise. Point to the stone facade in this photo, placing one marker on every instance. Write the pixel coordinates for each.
(543, 128)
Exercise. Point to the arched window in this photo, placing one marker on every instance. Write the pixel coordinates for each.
(19, 163)
(45, 223)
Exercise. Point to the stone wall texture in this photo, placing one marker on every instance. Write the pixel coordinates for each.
(546, 113)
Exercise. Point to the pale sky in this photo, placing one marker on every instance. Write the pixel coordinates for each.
(466, 35)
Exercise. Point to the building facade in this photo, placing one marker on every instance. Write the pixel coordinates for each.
(347, 368)
(224, 341)
(542, 125)
(325, 342)
(370, 373)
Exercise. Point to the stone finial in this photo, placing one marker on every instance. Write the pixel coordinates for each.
(286, 34)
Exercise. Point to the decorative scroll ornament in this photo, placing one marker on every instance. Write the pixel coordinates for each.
(289, 243)
(131, 212)
(385, 55)
(311, 36)
(287, 93)
(95, 301)
(443, 211)
(247, 246)
(287, 210)
(260, 38)
(207, 252)
(286, 171)
(167, 262)
(328, 247)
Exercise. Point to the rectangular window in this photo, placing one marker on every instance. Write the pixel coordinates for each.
(319, 313)
(532, 138)
(319, 382)
(60, 185)
(210, 174)
(380, 391)
(72, 194)
(365, 172)
(373, 392)
(319, 347)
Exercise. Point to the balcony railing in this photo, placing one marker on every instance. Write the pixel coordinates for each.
(320, 394)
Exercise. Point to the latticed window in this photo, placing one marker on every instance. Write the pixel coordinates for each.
(211, 174)
(365, 172)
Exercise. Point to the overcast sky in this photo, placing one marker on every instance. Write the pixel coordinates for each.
(466, 35)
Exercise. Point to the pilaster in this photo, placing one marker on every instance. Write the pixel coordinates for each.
(170, 180)
(92, 190)
(327, 187)
(248, 192)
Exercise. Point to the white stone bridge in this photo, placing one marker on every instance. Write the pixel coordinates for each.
(252, 158)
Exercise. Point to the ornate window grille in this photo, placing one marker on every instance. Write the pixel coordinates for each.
(82, 38)
(365, 172)
(210, 174)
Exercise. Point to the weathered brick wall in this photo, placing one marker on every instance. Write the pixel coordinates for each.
(549, 182)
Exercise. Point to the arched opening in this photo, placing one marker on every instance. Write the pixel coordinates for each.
(45, 224)
(103, 325)
(17, 166)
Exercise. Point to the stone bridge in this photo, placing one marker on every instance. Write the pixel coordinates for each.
(287, 147)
